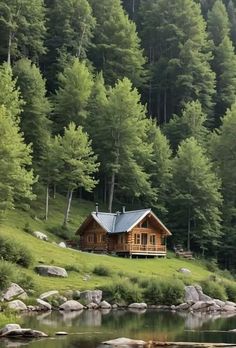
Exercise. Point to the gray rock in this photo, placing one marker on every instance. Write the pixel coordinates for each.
(191, 294)
(17, 305)
(202, 296)
(40, 235)
(199, 305)
(219, 303)
(13, 291)
(89, 296)
(184, 271)
(138, 305)
(92, 305)
(105, 305)
(27, 333)
(9, 327)
(114, 306)
(62, 245)
(125, 342)
(44, 305)
(61, 333)
(183, 306)
(71, 305)
(52, 271)
(214, 308)
(229, 303)
(48, 294)
(228, 308)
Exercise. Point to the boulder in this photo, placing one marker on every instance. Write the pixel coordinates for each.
(219, 303)
(229, 303)
(191, 294)
(89, 296)
(138, 305)
(125, 342)
(62, 245)
(71, 305)
(52, 271)
(92, 305)
(199, 305)
(17, 305)
(26, 333)
(183, 306)
(48, 294)
(105, 305)
(44, 305)
(61, 333)
(202, 296)
(228, 308)
(114, 306)
(13, 291)
(40, 235)
(9, 327)
(184, 270)
(213, 308)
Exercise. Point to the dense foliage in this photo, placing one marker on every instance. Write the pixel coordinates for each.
(126, 102)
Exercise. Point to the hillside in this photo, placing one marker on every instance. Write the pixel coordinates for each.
(78, 263)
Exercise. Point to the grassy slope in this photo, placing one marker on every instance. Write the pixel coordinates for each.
(48, 253)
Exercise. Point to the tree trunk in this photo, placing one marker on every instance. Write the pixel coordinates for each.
(67, 212)
(47, 200)
(54, 191)
(9, 48)
(189, 230)
(165, 107)
(111, 193)
(105, 191)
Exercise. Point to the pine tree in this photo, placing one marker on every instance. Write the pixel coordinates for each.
(116, 46)
(175, 40)
(232, 18)
(22, 29)
(72, 97)
(16, 177)
(218, 22)
(189, 124)
(70, 29)
(78, 162)
(196, 198)
(34, 120)
(9, 93)
(223, 150)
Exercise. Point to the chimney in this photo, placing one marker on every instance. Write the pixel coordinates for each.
(96, 208)
(123, 209)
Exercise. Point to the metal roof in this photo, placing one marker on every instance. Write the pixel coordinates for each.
(120, 222)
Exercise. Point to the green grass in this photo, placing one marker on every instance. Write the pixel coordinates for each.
(48, 253)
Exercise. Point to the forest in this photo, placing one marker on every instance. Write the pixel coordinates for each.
(124, 103)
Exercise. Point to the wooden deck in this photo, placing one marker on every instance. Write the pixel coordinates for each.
(141, 249)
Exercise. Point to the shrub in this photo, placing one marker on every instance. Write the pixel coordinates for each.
(214, 289)
(62, 232)
(6, 274)
(166, 293)
(211, 265)
(25, 281)
(122, 291)
(27, 228)
(72, 268)
(230, 289)
(15, 253)
(102, 271)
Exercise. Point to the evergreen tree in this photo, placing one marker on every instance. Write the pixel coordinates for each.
(189, 124)
(9, 93)
(196, 198)
(116, 45)
(232, 17)
(70, 29)
(160, 168)
(223, 149)
(72, 97)
(122, 145)
(16, 179)
(34, 120)
(218, 22)
(78, 162)
(22, 29)
(175, 39)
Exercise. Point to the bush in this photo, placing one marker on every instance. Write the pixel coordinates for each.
(25, 281)
(6, 274)
(15, 253)
(102, 271)
(211, 265)
(62, 232)
(230, 289)
(214, 289)
(27, 228)
(122, 291)
(166, 293)
(72, 268)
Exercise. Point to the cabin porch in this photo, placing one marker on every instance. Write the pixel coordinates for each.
(141, 249)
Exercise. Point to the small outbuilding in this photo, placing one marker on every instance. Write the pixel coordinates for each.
(126, 233)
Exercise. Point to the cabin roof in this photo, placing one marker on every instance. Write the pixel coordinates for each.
(123, 222)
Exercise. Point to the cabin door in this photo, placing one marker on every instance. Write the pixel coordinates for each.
(144, 238)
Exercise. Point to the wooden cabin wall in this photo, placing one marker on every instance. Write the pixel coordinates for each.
(94, 237)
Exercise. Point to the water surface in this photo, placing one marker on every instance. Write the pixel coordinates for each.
(87, 329)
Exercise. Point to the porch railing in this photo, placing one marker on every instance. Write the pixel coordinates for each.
(141, 248)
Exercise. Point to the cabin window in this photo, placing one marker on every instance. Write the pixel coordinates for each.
(163, 240)
(121, 239)
(90, 238)
(104, 238)
(153, 239)
(144, 224)
(137, 238)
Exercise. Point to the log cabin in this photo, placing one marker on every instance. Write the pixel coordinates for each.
(126, 233)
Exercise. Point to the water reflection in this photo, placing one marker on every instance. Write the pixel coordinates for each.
(89, 328)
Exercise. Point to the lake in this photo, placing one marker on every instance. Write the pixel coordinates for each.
(87, 329)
